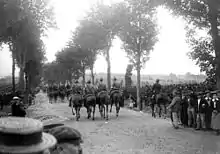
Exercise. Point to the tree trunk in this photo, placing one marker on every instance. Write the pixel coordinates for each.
(92, 75)
(138, 87)
(84, 77)
(26, 90)
(108, 68)
(213, 18)
(13, 73)
(21, 80)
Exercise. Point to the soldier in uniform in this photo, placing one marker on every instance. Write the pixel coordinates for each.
(101, 85)
(157, 89)
(77, 88)
(89, 89)
(115, 86)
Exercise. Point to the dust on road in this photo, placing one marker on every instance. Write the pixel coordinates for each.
(131, 133)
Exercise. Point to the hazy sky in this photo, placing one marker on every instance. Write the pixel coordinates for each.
(169, 55)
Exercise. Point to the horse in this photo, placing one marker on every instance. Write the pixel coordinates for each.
(117, 100)
(76, 102)
(159, 102)
(103, 102)
(90, 104)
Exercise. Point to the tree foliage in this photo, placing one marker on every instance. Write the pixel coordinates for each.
(203, 14)
(23, 23)
(139, 32)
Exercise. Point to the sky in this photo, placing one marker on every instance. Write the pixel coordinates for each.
(169, 55)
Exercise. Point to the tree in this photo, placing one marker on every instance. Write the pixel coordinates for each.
(203, 14)
(107, 18)
(202, 51)
(70, 59)
(139, 35)
(89, 37)
(20, 22)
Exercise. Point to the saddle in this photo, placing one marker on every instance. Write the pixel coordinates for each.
(114, 91)
(88, 95)
(102, 92)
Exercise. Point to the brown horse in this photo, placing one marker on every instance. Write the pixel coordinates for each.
(76, 102)
(158, 103)
(90, 104)
(116, 99)
(103, 101)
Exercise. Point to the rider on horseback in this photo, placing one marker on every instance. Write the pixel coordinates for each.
(115, 87)
(76, 88)
(89, 89)
(101, 86)
(157, 90)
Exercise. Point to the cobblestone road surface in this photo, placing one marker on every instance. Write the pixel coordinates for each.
(131, 133)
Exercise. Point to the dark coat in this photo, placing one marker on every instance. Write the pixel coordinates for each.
(18, 110)
(202, 107)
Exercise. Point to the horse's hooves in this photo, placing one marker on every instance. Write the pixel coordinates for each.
(93, 119)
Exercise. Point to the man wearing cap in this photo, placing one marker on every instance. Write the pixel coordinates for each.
(89, 89)
(192, 101)
(200, 109)
(17, 108)
(175, 108)
(24, 136)
(101, 85)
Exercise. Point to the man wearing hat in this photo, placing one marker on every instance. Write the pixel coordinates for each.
(184, 106)
(192, 100)
(68, 140)
(24, 136)
(17, 108)
(175, 108)
(216, 113)
(208, 114)
(200, 109)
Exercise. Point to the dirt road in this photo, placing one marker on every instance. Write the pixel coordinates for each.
(131, 133)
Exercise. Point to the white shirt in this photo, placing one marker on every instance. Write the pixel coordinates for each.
(199, 102)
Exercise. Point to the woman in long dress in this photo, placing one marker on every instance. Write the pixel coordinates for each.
(216, 114)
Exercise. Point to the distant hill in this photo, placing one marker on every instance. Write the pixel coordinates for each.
(150, 79)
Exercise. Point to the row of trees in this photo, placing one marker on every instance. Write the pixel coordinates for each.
(133, 21)
(23, 24)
